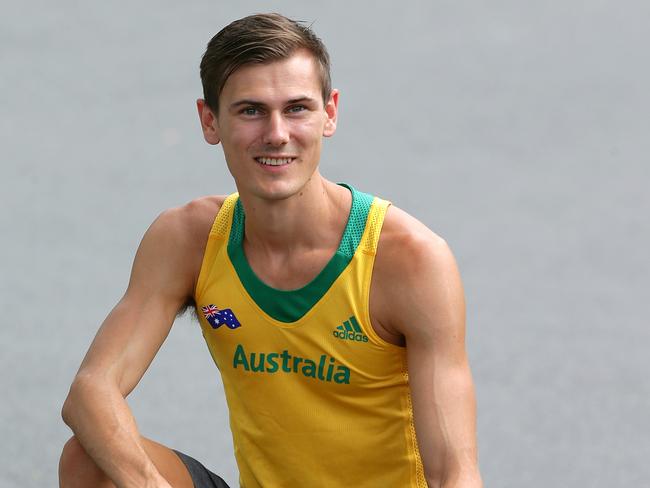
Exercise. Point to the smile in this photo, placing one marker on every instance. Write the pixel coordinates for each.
(274, 161)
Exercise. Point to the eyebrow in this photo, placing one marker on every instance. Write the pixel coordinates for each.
(257, 103)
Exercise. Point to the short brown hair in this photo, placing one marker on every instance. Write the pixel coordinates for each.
(260, 38)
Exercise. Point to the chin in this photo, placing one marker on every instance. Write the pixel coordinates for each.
(280, 190)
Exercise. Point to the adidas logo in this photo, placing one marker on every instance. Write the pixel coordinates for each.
(350, 330)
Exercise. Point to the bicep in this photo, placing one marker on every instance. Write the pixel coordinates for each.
(134, 330)
(127, 342)
(433, 324)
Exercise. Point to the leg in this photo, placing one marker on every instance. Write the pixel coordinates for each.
(77, 469)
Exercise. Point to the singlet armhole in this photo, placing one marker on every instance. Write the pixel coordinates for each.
(370, 242)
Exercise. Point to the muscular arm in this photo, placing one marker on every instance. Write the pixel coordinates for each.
(429, 312)
(162, 280)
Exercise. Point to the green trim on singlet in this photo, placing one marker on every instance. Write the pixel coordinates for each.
(290, 305)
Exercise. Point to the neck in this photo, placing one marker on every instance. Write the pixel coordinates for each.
(312, 218)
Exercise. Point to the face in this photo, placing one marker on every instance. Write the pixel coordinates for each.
(271, 123)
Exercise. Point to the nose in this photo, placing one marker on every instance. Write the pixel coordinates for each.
(276, 131)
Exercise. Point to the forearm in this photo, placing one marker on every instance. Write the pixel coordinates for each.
(103, 423)
(445, 421)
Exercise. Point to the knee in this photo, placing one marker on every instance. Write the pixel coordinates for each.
(77, 469)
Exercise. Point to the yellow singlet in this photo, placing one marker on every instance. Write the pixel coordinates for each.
(316, 397)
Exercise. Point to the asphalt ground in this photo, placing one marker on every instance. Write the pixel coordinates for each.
(518, 131)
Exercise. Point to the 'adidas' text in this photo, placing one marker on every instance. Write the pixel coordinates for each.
(350, 330)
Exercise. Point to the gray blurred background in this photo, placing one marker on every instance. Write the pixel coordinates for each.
(517, 130)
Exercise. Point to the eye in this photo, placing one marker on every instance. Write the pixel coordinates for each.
(296, 109)
(250, 111)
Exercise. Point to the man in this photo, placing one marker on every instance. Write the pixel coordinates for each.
(336, 320)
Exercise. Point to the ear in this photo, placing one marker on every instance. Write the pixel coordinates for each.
(208, 123)
(331, 109)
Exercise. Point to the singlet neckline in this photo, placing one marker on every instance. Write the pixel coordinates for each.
(290, 305)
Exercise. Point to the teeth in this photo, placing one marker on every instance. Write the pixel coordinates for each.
(273, 161)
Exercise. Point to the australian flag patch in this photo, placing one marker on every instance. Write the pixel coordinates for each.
(217, 317)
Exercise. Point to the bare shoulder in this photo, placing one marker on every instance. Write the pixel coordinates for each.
(187, 227)
(170, 254)
(190, 223)
(405, 244)
(414, 273)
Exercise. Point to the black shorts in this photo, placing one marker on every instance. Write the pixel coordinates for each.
(201, 476)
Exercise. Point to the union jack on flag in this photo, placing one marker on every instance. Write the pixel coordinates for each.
(209, 311)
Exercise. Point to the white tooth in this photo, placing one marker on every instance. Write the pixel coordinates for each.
(273, 161)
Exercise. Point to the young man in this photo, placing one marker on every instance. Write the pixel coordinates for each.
(336, 320)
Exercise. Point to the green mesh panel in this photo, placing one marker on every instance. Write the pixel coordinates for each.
(289, 305)
(356, 222)
(237, 229)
